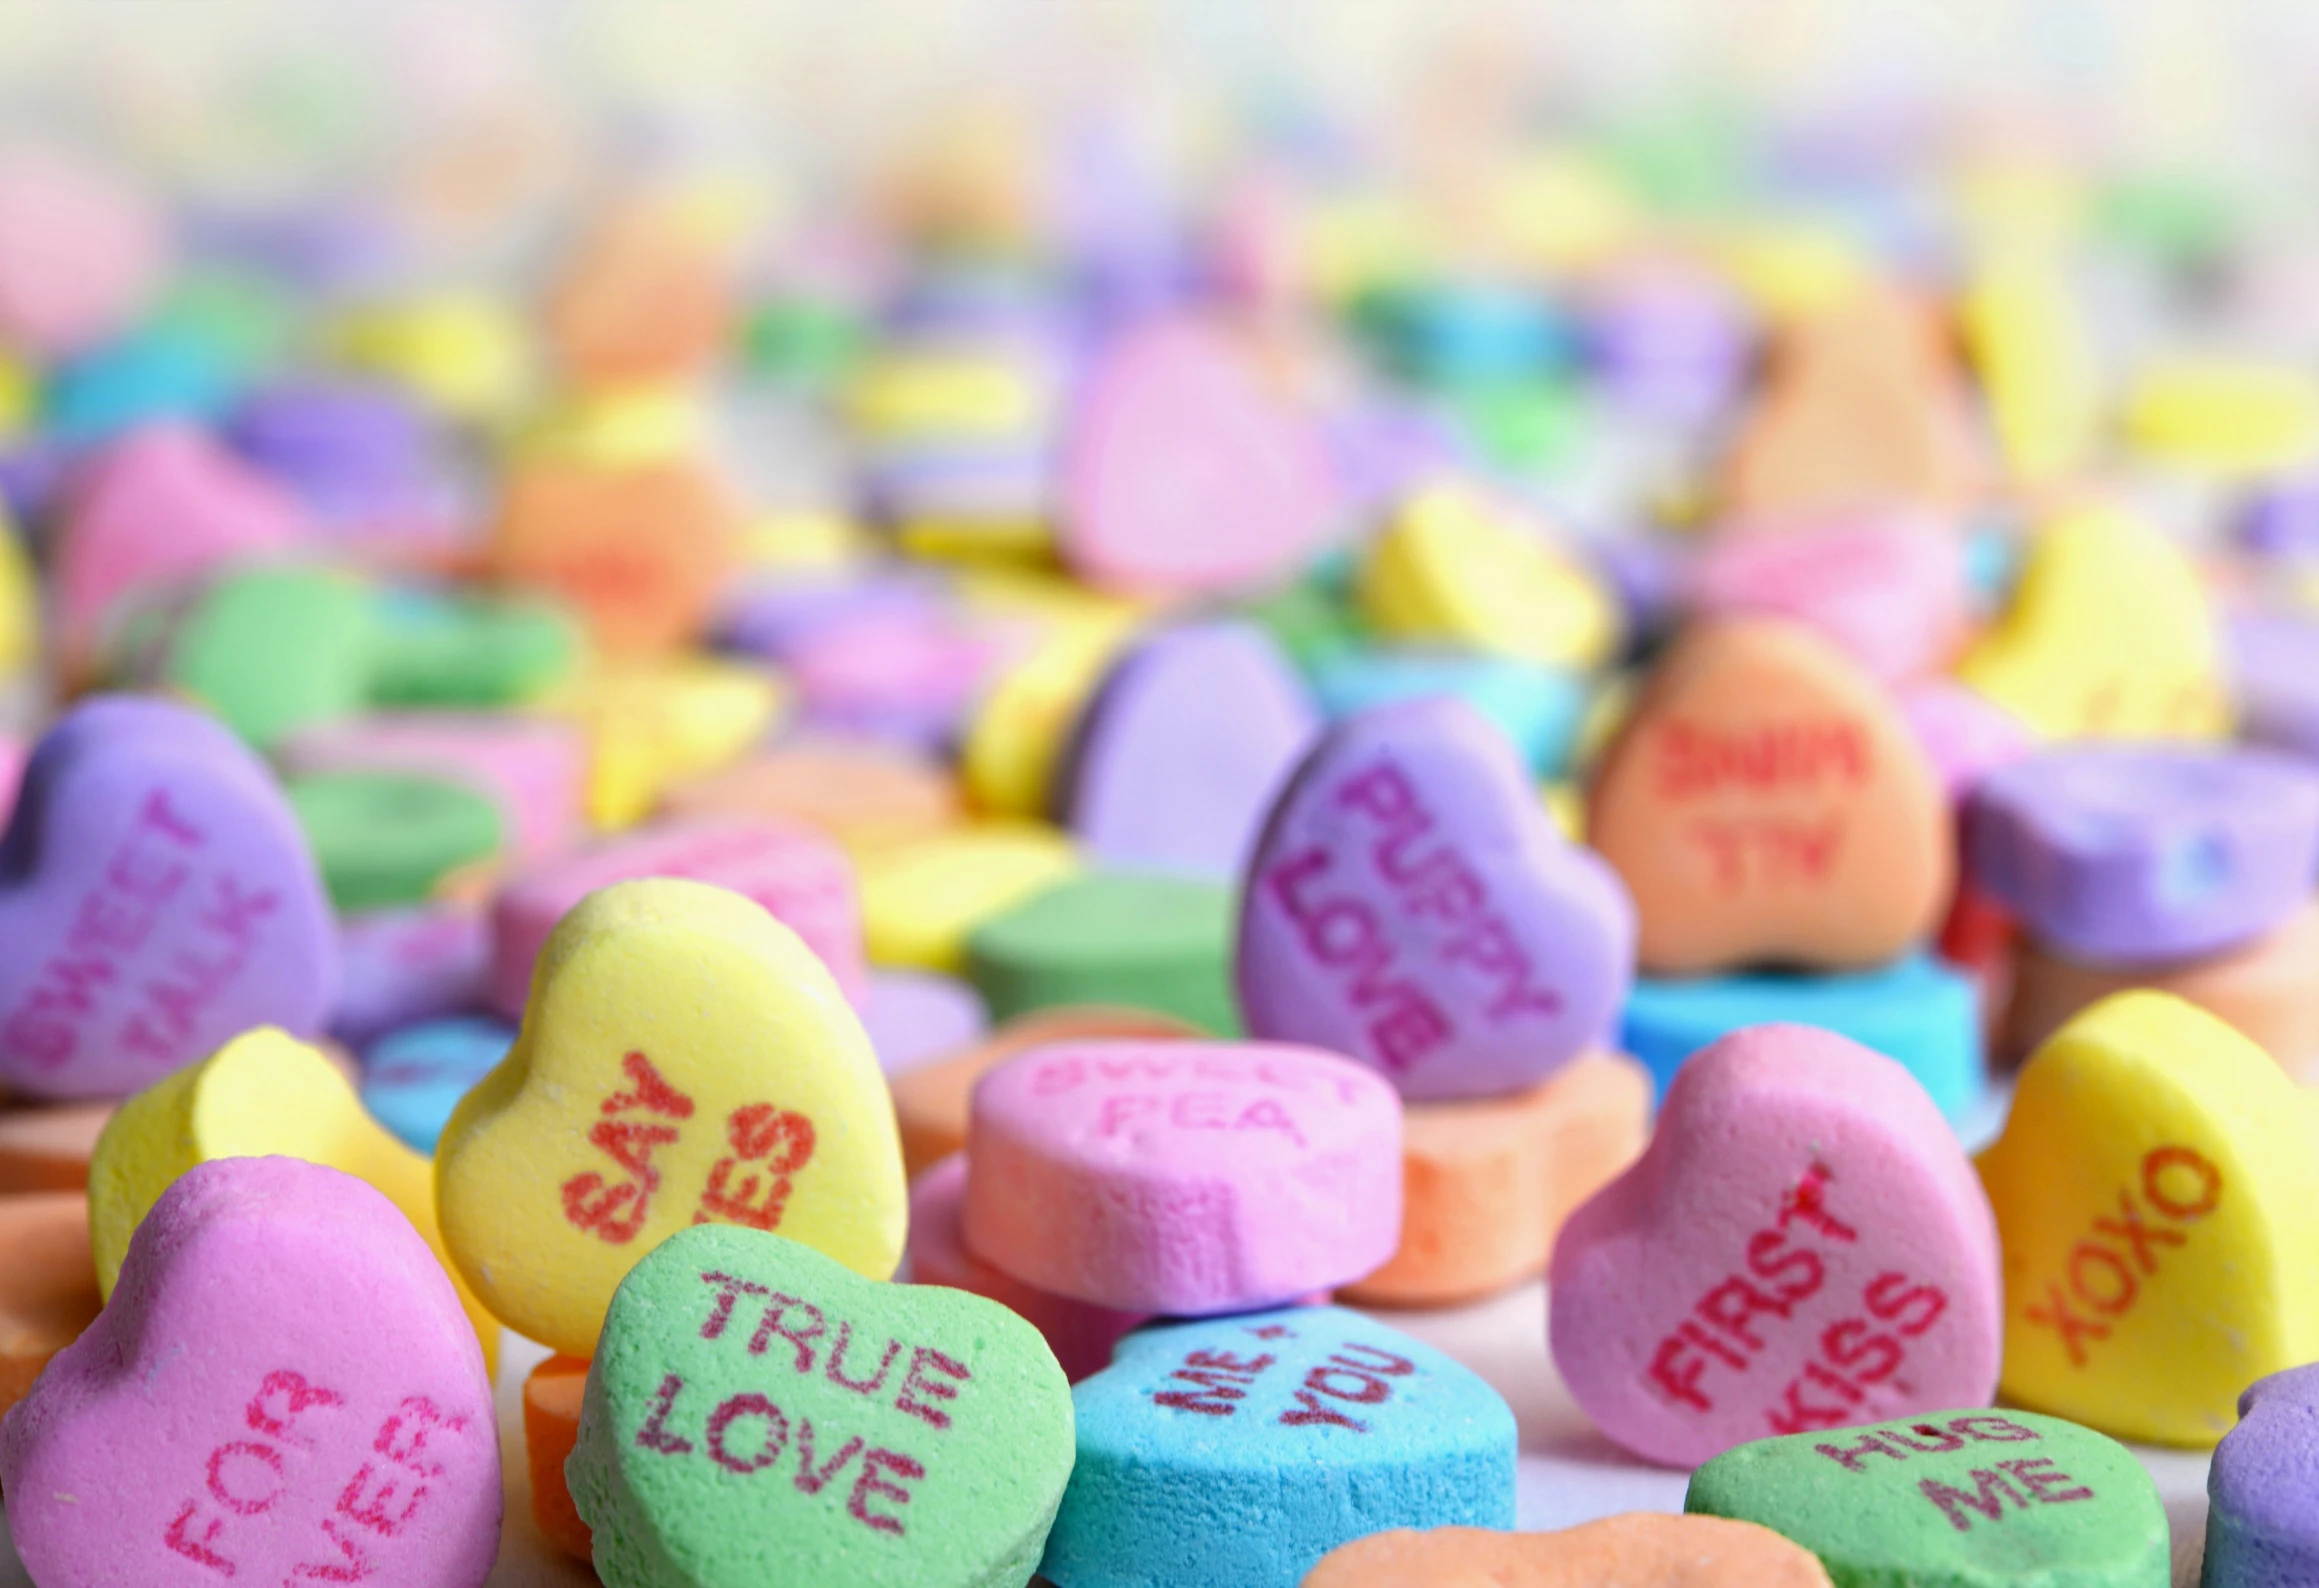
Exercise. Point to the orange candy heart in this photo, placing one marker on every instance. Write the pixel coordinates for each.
(1637, 1550)
(639, 549)
(1766, 802)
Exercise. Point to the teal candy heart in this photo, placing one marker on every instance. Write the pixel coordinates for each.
(759, 1417)
(1236, 1452)
(1958, 1499)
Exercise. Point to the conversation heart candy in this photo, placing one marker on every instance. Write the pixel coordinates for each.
(1890, 594)
(48, 1285)
(2131, 855)
(1487, 1183)
(2274, 668)
(2154, 1189)
(914, 1017)
(2267, 989)
(1411, 904)
(1766, 802)
(161, 899)
(48, 1148)
(652, 723)
(270, 650)
(1158, 943)
(389, 840)
(1456, 569)
(552, 1397)
(1637, 1550)
(281, 1391)
(2109, 634)
(532, 770)
(1080, 1333)
(1539, 708)
(413, 1078)
(1916, 1010)
(160, 505)
(1184, 473)
(643, 300)
(1801, 1246)
(1157, 778)
(932, 1100)
(1186, 1177)
(863, 795)
(261, 1094)
(1238, 1451)
(922, 901)
(403, 966)
(2260, 1532)
(81, 252)
(684, 1057)
(759, 1415)
(639, 548)
(793, 873)
(443, 655)
(1951, 1499)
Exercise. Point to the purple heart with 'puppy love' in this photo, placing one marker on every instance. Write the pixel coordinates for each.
(157, 897)
(1411, 905)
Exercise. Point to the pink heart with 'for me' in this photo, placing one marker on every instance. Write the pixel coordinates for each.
(1185, 473)
(1804, 1245)
(282, 1390)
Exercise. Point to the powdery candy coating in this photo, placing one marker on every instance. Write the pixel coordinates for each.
(1183, 1177)
(1802, 1246)
(176, 1445)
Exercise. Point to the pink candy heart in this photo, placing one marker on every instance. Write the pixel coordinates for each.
(1804, 1245)
(1183, 1177)
(1185, 473)
(1892, 594)
(282, 1390)
(79, 254)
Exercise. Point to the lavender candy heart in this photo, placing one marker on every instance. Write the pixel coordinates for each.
(1182, 749)
(2149, 855)
(2274, 664)
(1412, 905)
(403, 966)
(914, 1017)
(356, 451)
(156, 898)
(2262, 1490)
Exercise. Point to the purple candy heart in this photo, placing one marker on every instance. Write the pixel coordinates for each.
(1412, 905)
(1182, 749)
(404, 966)
(2275, 674)
(156, 898)
(914, 1017)
(2262, 1529)
(2146, 855)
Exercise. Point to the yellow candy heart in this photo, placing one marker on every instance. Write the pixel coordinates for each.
(465, 353)
(1452, 568)
(19, 602)
(684, 1059)
(651, 723)
(2023, 327)
(263, 1094)
(624, 426)
(2110, 635)
(945, 394)
(2157, 1197)
(18, 396)
(921, 900)
(2231, 419)
(1017, 733)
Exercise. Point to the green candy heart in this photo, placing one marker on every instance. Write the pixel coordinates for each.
(384, 839)
(272, 650)
(1138, 942)
(451, 652)
(758, 1416)
(1960, 1499)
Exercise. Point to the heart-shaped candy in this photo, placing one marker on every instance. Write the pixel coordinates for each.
(1767, 802)
(2260, 1529)
(1162, 944)
(412, 1079)
(1183, 1177)
(2146, 855)
(1184, 473)
(2157, 1193)
(1801, 1246)
(404, 966)
(758, 1415)
(262, 1094)
(282, 1390)
(85, 251)
(914, 1017)
(531, 769)
(803, 879)
(639, 547)
(1236, 1452)
(1160, 778)
(1951, 1499)
(1890, 593)
(684, 1058)
(1411, 905)
(2110, 634)
(1631, 1551)
(159, 899)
